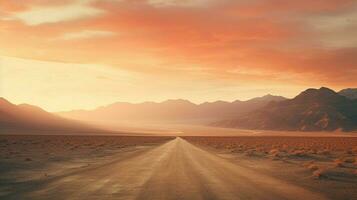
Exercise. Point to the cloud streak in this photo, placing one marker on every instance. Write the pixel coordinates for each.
(251, 43)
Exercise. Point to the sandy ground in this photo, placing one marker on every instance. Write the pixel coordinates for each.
(175, 169)
(327, 165)
(27, 161)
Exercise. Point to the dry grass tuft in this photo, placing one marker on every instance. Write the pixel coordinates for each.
(349, 160)
(318, 174)
(338, 163)
(324, 152)
(313, 167)
(344, 161)
(299, 153)
(274, 152)
(28, 159)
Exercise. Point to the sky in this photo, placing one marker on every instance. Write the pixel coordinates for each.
(81, 54)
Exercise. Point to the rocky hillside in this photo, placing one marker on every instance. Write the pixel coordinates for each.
(312, 110)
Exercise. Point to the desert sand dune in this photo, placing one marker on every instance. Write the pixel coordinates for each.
(173, 170)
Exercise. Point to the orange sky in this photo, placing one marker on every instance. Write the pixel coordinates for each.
(67, 54)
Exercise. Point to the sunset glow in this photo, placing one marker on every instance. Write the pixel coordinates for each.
(80, 54)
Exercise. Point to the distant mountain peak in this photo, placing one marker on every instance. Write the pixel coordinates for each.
(322, 94)
(29, 117)
(350, 89)
(268, 97)
(327, 90)
(314, 91)
(29, 107)
(4, 101)
(177, 101)
(350, 93)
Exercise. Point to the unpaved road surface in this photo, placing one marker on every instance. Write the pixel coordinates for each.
(174, 170)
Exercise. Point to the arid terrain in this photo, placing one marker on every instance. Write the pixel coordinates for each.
(326, 164)
(178, 100)
(125, 167)
(31, 162)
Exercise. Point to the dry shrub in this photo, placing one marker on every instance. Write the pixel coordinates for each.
(354, 150)
(324, 152)
(338, 163)
(343, 162)
(313, 167)
(349, 152)
(306, 164)
(317, 174)
(28, 159)
(299, 153)
(251, 152)
(229, 146)
(312, 151)
(237, 150)
(274, 152)
(320, 173)
(349, 160)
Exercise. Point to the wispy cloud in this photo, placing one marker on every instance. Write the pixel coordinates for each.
(51, 14)
(85, 34)
(183, 3)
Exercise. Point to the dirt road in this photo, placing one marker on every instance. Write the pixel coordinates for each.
(174, 170)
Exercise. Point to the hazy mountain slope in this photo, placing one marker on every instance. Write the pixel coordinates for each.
(172, 110)
(28, 117)
(312, 110)
(350, 93)
(226, 110)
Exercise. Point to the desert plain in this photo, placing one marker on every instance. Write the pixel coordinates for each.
(256, 166)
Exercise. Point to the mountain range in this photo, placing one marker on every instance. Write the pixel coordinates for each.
(178, 109)
(312, 110)
(350, 93)
(25, 117)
